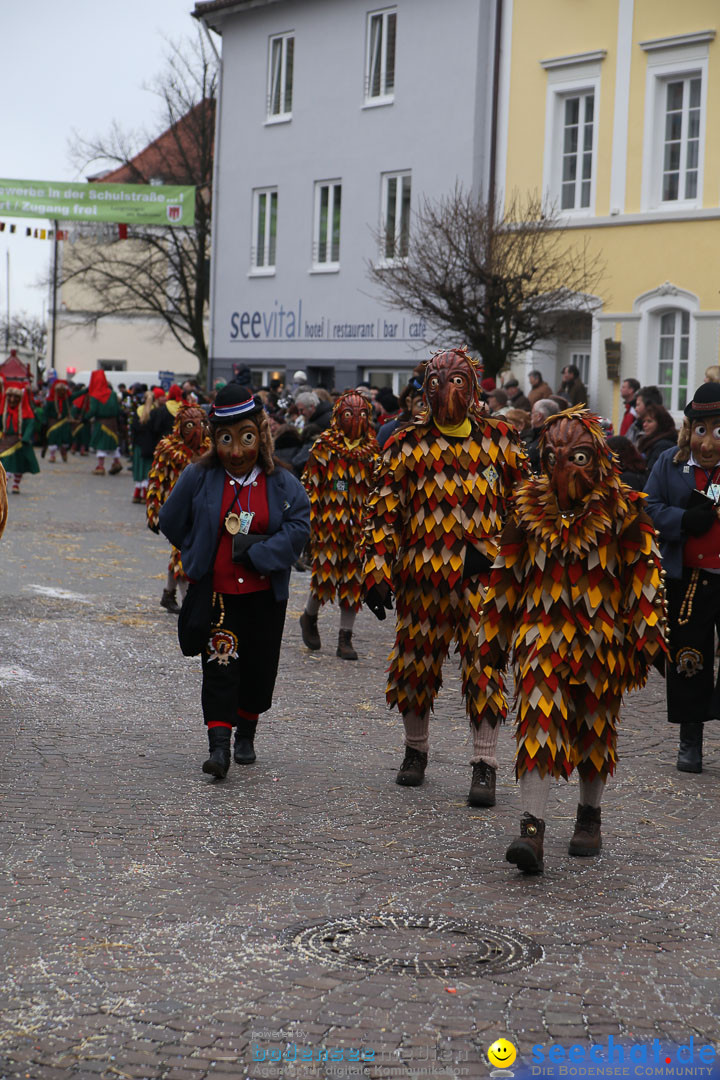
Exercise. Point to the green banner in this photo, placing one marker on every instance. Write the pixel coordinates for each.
(125, 204)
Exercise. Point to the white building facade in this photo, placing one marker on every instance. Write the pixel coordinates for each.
(336, 119)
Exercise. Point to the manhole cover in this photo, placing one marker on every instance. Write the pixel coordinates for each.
(418, 944)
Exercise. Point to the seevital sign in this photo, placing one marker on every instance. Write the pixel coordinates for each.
(129, 204)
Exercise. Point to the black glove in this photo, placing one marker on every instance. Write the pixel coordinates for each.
(379, 599)
(698, 519)
(154, 528)
(475, 562)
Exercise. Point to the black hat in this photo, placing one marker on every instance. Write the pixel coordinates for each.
(706, 402)
(234, 403)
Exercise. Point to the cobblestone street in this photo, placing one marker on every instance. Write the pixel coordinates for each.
(158, 924)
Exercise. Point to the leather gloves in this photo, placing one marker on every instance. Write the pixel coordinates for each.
(379, 599)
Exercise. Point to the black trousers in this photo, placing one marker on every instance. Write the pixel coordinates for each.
(693, 692)
(240, 661)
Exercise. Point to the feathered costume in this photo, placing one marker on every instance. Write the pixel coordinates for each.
(172, 455)
(437, 495)
(578, 598)
(338, 480)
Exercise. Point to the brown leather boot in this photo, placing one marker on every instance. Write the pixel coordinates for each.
(526, 850)
(116, 467)
(345, 647)
(412, 770)
(310, 632)
(482, 788)
(586, 840)
(169, 601)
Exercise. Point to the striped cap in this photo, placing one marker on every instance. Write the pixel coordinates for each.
(232, 403)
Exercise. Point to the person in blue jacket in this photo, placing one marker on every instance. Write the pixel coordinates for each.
(238, 501)
(683, 499)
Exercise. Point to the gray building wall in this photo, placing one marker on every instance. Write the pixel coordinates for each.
(437, 128)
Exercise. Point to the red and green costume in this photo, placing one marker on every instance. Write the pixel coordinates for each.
(102, 409)
(17, 424)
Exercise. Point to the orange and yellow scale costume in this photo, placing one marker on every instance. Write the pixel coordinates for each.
(172, 455)
(338, 479)
(437, 494)
(578, 600)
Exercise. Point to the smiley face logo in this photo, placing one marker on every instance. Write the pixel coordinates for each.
(501, 1054)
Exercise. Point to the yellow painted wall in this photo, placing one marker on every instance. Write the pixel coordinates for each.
(548, 28)
(543, 29)
(642, 257)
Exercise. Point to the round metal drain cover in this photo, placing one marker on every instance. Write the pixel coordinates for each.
(418, 944)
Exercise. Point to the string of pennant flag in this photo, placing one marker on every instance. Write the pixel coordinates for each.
(117, 231)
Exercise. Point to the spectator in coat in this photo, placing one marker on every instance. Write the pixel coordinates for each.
(646, 395)
(572, 387)
(516, 398)
(632, 465)
(628, 392)
(539, 389)
(659, 434)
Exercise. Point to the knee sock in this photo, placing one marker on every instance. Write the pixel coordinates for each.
(485, 738)
(591, 791)
(416, 731)
(246, 724)
(534, 792)
(347, 618)
(313, 605)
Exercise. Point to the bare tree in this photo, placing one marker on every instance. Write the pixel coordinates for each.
(498, 285)
(154, 271)
(26, 332)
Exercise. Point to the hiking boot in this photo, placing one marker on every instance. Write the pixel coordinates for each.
(586, 840)
(310, 632)
(218, 763)
(116, 467)
(169, 602)
(482, 788)
(345, 648)
(526, 850)
(244, 752)
(412, 770)
(690, 752)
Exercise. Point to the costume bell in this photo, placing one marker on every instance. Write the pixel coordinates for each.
(17, 430)
(576, 598)
(338, 480)
(241, 520)
(433, 518)
(187, 443)
(683, 493)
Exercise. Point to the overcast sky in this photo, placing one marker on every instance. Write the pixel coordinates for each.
(76, 65)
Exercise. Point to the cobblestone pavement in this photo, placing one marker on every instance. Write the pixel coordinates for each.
(158, 924)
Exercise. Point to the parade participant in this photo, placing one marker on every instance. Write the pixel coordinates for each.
(683, 498)
(433, 517)
(338, 480)
(3, 500)
(575, 595)
(144, 441)
(102, 409)
(187, 443)
(17, 431)
(240, 522)
(59, 420)
(80, 432)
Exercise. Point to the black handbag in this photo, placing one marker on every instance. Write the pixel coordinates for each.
(242, 542)
(195, 618)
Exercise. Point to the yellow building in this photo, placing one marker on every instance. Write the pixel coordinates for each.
(611, 108)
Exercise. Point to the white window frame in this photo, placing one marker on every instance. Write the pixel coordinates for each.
(671, 60)
(399, 377)
(327, 265)
(400, 225)
(266, 265)
(651, 306)
(385, 96)
(283, 115)
(568, 77)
